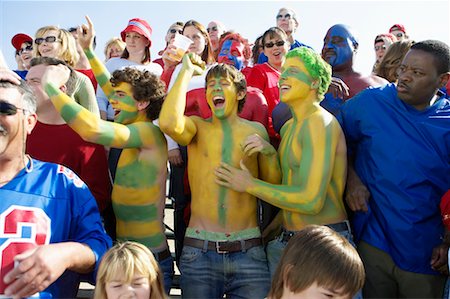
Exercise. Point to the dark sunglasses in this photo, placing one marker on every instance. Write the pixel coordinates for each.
(286, 16)
(8, 109)
(48, 39)
(278, 44)
(400, 34)
(27, 48)
(214, 28)
(180, 31)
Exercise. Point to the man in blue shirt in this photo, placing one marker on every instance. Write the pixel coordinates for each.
(51, 235)
(399, 168)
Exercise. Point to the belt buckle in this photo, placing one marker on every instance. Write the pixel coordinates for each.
(218, 248)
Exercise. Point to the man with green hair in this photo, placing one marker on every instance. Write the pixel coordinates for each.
(312, 156)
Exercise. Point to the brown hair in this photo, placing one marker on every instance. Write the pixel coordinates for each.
(326, 257)
(387, 68)
(208, 54)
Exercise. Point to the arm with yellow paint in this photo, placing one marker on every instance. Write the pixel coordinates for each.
(88, 125)
(305, 187)
(172, 120)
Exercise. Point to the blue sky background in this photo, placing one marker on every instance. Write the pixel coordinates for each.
(422, 19)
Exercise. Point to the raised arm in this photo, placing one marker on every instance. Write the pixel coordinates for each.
(304, 189)
(172, 120)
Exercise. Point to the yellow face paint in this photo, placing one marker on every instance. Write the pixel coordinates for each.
(221, 95)
(295, 81)
(124, 104)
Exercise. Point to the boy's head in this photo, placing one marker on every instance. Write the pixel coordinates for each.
(132, 84)
(318, 257)
(122, 264)
(226, 72)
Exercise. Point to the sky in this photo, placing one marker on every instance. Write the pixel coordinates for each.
(422, 19)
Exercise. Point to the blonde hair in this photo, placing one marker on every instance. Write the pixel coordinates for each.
(115, 41)
(387, 68)
(326, 257)
(68, 51)
(129, 258)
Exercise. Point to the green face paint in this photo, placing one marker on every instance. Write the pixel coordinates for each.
(123, 102)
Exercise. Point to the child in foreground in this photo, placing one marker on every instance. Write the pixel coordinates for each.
(129, 270)
(318, 263)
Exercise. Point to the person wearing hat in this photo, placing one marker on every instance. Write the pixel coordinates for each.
(398, 30)
(23, 44)
(381, 44)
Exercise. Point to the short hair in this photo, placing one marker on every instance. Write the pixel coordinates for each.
(317, 67)
(208, 53)
(439, 50)
(234, 36)
(68, 44)
(317, 254)
(128, 258)
(229, 71)
(146, 87)
(28, 97)
(273, 32)
(387, 68)
(117, 41)
(293, 15)
(71, 82)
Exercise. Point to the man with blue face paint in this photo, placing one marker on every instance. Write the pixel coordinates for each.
(232, 52)
(339, 49)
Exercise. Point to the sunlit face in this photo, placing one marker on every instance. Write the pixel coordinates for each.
(295, 81)
(50, 49)
(286, 21)
(418, 79)
(124, 105)
(232, 53)
(199, 41)
(136, 43)
(114, 51)
(276, 53)
(34, 76)
(221, 96)
(215, 30)
(399, 35)
(314, 292)
(137, 288)
(338, 47)
(380, 49)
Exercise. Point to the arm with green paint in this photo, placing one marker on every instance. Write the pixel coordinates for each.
(305, 185)
(172, 120)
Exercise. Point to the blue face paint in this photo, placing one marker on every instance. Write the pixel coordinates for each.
(232, 53)
(338, 46)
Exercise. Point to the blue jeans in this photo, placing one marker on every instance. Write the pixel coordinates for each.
(166, 266)
(208, 274)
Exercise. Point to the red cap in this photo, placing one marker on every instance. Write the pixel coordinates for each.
(19, 39)
(139, 26)
(398, 27)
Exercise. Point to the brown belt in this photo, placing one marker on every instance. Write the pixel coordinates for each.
(160, 256)
(223, 247)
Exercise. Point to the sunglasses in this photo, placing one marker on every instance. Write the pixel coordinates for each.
(286, 16)
(48, 39)
(383, 47)
(8, 109)
(172, 30)
(278, 44)
(27, 48)
(399, 34)
(214, 28)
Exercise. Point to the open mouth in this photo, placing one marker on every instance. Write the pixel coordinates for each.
(218, 102)
(117, 112)
(284, 88)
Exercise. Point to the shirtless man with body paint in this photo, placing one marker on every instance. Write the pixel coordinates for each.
(223, 252)
(312, 156)
(139, 189)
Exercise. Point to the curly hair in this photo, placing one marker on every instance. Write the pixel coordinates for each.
(229, 71)
(146, 87)
(317, 67)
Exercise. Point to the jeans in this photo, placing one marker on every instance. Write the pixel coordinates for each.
(208, 274)
(166, 266)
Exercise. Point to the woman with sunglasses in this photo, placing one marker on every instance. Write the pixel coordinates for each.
(52, 41)
(265, 76)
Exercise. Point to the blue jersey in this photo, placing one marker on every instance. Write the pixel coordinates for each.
(50, 204)
(402, 155)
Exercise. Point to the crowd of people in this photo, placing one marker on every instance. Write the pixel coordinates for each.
(292, 174)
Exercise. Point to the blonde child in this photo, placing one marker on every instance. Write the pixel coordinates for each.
(129, 269)
(318, 263)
